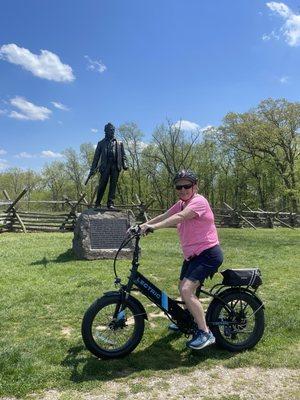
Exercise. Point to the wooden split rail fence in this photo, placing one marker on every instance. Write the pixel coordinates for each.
(13, 218)
(248, 218)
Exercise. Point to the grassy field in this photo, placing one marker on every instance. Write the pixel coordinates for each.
(44, 293)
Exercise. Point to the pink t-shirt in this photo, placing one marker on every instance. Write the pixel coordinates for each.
(199, 233)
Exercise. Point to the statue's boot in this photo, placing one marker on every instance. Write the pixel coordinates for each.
(110, 205)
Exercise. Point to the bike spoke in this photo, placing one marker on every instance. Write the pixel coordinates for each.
(237, 326)
(254, 312)
(109, 333)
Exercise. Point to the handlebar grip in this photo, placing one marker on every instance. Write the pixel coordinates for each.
(149, 230)
(136, 230)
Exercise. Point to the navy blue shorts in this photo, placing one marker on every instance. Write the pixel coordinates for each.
(202, 266)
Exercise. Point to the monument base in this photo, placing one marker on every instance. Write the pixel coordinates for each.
(98, 234)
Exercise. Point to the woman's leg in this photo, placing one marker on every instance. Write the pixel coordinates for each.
(187, 292)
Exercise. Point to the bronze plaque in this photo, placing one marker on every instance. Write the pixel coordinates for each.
(107, 233)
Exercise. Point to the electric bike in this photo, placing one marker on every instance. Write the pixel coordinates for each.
(113, 325)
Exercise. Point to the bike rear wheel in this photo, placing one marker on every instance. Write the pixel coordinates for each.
(111, 332)
(238, 323)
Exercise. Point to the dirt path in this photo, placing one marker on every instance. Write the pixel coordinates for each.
(215, 384)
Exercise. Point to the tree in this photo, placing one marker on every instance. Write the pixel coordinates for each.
(171, 150)
(55, 179)
(14, 181)
(132, 137)
(269, 132)
(32, 181)
(75, 170)
(87, 151)
(206, 163)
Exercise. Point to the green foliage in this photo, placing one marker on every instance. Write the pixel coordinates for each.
(252, 159)
(269, 132)
(44, 292)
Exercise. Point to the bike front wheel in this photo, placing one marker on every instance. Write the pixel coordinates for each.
(112, 330)
(238, 322)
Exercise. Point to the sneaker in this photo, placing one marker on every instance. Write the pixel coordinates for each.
(173, 327)
(200, 340)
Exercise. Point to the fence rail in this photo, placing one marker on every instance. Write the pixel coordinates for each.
(13, 218)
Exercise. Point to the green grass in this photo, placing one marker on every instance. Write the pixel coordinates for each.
(44, 293)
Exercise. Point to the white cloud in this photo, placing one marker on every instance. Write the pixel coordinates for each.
(94, 130)
(97, 66)
(284, 79)
(272, 35)
(50, 154)
(140, 145)
(2, 152)
(186, 125)
(291, 26)
(2, 112)
(24, 154)
(28, 111)
(43, 154)
(47, 65)
(281, 8)
(60, 106)
(143, 145)
(266, 37)
(206, 128)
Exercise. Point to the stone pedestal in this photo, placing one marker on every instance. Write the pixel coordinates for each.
(99, 233)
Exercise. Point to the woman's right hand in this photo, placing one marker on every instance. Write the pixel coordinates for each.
(146, 228)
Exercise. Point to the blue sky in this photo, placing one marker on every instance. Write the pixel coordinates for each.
(68, 67)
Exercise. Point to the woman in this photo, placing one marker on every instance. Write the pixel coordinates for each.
(200, 246)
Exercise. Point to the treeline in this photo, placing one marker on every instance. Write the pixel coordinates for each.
(251, 159)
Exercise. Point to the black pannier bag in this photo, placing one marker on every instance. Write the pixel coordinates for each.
(242, 277)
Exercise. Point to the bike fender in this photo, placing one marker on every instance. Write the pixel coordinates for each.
(231, 290)
(133, 299)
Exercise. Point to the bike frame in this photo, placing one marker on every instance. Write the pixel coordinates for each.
(109, 338)
(171, 307)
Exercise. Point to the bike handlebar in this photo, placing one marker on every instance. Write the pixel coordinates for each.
(132, 232)
(149, 230)
(136, 230)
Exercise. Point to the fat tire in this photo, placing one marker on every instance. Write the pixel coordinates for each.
(90, 315)
(217, 306)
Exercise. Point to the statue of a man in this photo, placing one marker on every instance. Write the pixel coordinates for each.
(109, 160)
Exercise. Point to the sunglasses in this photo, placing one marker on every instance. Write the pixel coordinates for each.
(188, 186)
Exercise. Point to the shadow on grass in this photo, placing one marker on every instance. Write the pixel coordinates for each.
(159, 356)
(67, 256)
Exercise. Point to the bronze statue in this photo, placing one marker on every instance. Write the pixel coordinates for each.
(109, 160)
